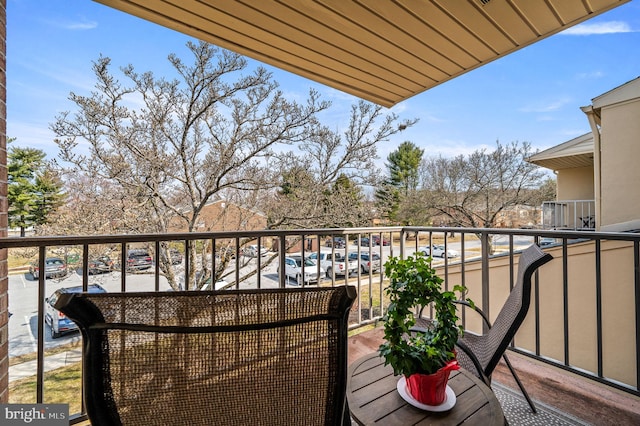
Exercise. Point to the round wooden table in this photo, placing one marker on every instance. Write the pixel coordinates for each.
(374, 399)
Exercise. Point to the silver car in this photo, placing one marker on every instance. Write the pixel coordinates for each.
(368, 261)
(335, 263)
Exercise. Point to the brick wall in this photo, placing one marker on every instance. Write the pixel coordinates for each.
(4, 297)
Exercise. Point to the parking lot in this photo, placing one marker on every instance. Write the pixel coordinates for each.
(23, 289)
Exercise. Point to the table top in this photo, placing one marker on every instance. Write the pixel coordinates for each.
(374, 399)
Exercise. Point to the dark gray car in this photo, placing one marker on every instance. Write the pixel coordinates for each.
(53, 267)
(138, 259)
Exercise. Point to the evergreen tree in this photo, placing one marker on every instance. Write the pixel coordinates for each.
(388, 201)
(403, 165)
(33, 191)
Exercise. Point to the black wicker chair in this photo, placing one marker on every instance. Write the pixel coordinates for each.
(259, 357)
(481, 353)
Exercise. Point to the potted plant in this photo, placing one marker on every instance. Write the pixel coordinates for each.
(424, 358)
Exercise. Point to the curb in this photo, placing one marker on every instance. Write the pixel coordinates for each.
(18, 270)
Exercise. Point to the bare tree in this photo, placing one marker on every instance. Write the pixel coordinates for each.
(322, 183)
(170, 146)
(471, 191)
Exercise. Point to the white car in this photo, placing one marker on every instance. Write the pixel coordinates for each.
(335, 263)
(438, 251)
(294, 269)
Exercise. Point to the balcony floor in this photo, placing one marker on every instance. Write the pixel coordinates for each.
(566, 398)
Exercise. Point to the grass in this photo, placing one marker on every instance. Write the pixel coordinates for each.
(61, 386)
(20, 257)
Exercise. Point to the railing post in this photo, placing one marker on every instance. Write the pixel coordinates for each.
(42, 275)
(636, 295)
(281, 263)
(486, 248)
(4, 265)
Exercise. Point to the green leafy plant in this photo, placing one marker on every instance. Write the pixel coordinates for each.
(414, 283)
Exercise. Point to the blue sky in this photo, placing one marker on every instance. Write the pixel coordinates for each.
(532, 95)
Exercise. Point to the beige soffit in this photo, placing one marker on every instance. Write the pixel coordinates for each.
(384, 51)
(577, 152)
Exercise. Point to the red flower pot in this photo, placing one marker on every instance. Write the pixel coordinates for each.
(430, 389)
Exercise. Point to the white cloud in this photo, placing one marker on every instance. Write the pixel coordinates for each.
(549, 106)
(79, 25)
(590, 75)
(611, 27)
(33, 135)
(449, 148)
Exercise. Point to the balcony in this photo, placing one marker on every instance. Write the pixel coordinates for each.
(581, 331)
(577, 215)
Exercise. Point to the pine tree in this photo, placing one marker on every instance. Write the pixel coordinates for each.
(34, 190)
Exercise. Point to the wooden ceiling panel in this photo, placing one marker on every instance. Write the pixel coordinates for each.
(450, 28)
(358, 43)
(542, 19)
(383, 51)
(387, 40)
(505, 17)
(571, 10)
(300, 42)
(431, 41)
(475, 21)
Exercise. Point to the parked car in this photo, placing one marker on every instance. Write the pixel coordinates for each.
(175, 256)
(438, 251)
(376, 240)
(293, 269)
(335, 263)
(100, 264)
(54, 267)
(547, 241)
(252, 250)
(57, 321)
(368, 261)
(337, 242)
(364, 241)
(138, 259)
(226, 253)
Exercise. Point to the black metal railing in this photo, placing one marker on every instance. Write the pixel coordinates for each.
(592, 283)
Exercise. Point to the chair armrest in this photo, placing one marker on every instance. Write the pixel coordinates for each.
(458, 302)
(475, 308)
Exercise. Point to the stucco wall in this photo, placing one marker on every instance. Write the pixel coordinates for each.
(620, 172)
(575, 184)
(616, 289)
